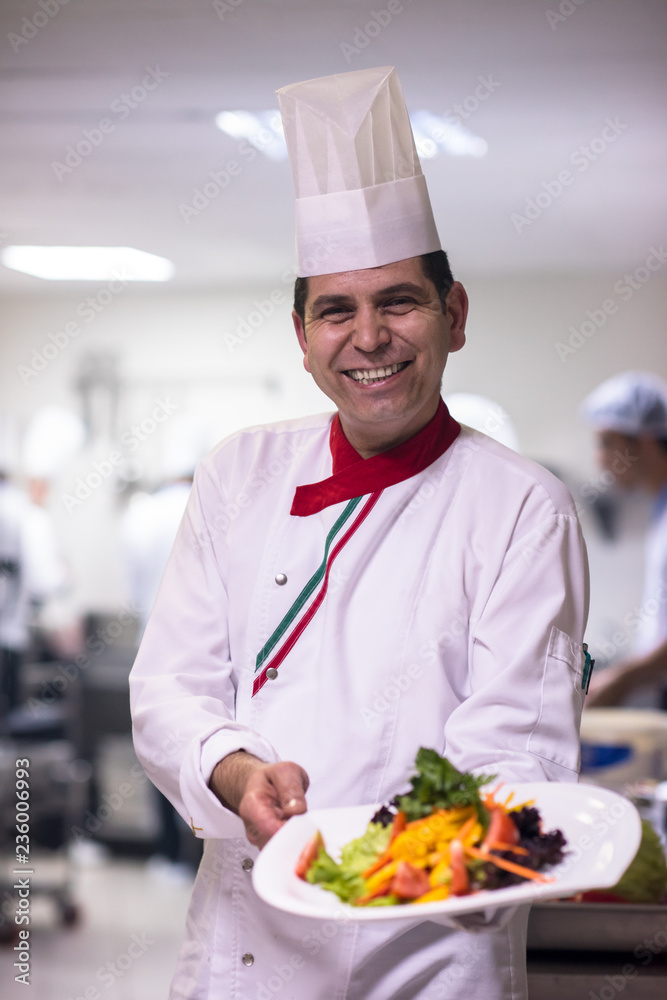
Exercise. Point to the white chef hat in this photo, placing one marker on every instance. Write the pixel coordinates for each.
(52, 438)
(482, 414)
(361, 197)
(632, 403)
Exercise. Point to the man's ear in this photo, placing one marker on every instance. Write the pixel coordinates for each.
(301, 337)
(457, 310)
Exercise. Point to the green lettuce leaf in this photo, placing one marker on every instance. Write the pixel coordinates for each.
(345, 878)
(645, 880)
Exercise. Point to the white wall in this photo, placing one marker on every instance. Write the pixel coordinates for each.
(185, 348)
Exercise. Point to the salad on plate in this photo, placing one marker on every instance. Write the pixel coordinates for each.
(444, 838)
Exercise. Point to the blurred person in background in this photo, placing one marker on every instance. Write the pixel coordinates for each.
(148, 529)
(629, 415)
(31, 568)
(482, 414)
(53, 437)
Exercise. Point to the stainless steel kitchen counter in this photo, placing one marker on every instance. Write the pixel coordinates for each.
(597, 951)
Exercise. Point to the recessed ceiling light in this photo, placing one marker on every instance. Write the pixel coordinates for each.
(262, 129)
(434, 133)
(87, 263)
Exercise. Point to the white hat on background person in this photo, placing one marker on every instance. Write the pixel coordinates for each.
(52, 438)
(633, 403)
(361, 197)
(483, 415)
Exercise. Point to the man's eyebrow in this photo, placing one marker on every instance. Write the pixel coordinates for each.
(329, 300)
(343, 300)
(401, 288)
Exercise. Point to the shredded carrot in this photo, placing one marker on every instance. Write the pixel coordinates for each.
(509, 866)
(489, 799)
(497, 845)
(466, 828)
(383, 891)
(379, 863)
(400, 819)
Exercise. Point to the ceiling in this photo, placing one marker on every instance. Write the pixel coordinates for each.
(556, 80)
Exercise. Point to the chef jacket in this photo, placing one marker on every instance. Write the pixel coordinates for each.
(446, 611)
(31, 568)
(148, 530)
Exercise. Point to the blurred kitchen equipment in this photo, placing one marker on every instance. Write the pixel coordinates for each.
(623, 745)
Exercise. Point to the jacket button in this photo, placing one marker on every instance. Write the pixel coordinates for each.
(248, 959)
(281, 579)
(247, 864)
(272, 673)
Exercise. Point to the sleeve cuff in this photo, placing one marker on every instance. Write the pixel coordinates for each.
(207, 817)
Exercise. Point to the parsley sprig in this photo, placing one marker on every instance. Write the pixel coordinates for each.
(438, 785)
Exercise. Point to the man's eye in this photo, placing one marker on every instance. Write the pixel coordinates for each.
(400, 304)
(335, 312)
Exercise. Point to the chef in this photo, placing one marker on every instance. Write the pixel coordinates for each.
(629, 415)
(348, 587)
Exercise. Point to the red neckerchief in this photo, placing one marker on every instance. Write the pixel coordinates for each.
(354, 476)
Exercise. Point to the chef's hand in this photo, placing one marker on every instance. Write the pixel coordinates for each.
(263, 795)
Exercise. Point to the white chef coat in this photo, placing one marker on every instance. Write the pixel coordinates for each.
(32, 568)
(453, 619)
(148, 530)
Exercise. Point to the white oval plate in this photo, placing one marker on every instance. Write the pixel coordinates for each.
(602, 829)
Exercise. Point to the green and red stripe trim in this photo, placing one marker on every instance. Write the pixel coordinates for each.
(264, 659)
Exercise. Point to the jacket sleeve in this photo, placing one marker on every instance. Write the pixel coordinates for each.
(521, 719)
(182, 690)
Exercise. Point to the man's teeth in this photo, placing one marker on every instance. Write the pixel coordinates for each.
(373, 374)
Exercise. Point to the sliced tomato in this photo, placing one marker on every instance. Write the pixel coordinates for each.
(308, 855)
(502, 828)
(409, 882)
(460, 883)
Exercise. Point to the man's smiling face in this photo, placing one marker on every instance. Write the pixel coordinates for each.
(376, 342)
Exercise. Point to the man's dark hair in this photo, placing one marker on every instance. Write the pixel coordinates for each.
(434, 265)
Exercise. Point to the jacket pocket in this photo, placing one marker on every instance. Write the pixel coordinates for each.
(556, 733)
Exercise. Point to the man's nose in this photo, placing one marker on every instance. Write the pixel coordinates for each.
(370, 330)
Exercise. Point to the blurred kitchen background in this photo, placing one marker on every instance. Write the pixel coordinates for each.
(153, 126)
